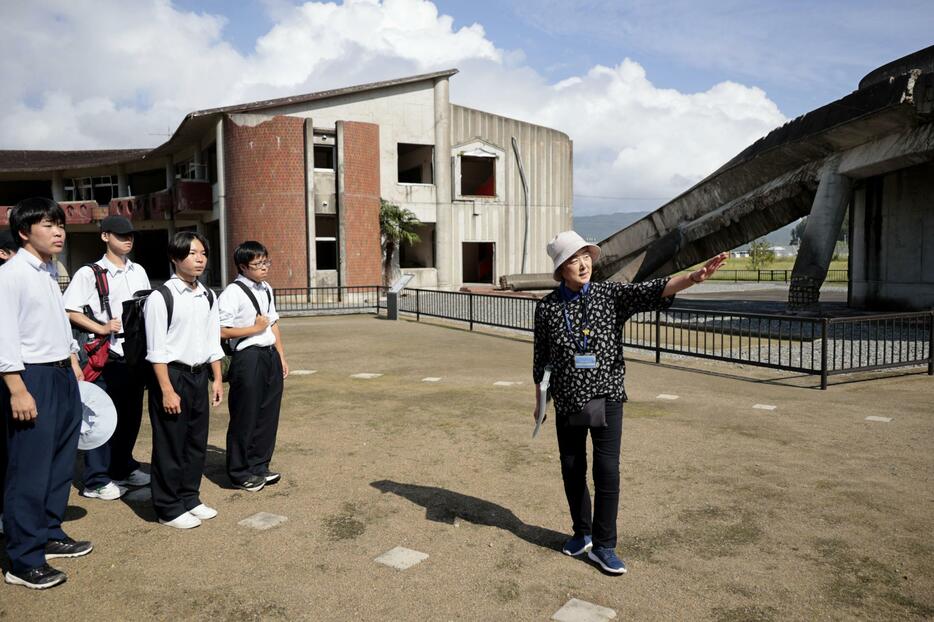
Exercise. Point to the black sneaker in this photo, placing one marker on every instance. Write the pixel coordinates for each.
(271, 477)
(39, 578)
(253, 483)
(66, 548)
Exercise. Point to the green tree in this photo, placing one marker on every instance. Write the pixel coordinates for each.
(396, 225)
(761, 254)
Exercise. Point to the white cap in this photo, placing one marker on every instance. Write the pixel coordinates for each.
(564, 245)
(98, 416)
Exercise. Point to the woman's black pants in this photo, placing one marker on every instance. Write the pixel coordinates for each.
(600, 523)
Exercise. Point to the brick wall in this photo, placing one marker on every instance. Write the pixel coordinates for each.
(358, 204)
(264, 168)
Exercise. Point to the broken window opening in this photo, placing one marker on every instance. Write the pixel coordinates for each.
(422, 253)
(325, 242)
(478, 262)
(324, 157)
(478, 176)
(415, 163)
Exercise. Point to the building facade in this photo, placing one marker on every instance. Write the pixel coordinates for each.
(305, 176)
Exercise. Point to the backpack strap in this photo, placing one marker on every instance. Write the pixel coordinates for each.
(169, 303)
(249, 294)
(103, 288)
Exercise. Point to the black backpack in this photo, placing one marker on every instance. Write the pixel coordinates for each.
(134, 322)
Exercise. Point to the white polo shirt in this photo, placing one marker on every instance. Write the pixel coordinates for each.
(34, 327)
(237, 311)
(124, 282)
(194, 338)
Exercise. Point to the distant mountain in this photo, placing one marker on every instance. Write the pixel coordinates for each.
(598, 228)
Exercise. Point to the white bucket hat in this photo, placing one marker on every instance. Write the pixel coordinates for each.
(564, 245)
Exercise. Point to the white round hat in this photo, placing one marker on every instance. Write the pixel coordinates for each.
(563, 246)
(98, 416)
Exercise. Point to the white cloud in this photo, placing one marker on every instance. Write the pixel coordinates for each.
(116, 74)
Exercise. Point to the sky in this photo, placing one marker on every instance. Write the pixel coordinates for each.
(655, 94)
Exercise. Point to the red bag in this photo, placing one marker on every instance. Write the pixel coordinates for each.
(98, 350)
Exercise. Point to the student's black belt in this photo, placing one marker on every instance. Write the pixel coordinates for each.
(270, 348)
(62, 364)
(192, 369)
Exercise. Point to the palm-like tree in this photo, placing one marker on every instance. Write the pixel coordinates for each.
(396, 225)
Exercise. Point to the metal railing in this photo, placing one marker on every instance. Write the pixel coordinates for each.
(355, 298)
(765, 276)
(513, 312)
(818, 346)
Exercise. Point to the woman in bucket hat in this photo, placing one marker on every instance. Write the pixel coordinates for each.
(579, 335)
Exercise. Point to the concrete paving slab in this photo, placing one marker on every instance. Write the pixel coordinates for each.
(431, 379)
(365, 376)
(879, 419)
(581, 611)
(764, 406)
(262, 521)
(666, 396)
(401, 558)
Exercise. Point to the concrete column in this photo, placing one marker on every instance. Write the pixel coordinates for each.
(444, 221)
(339, 184)
(196, 160)
(819, 238)
(169, 173)
(310, 200)
(222, 202)
(58, 186)
(123, 184)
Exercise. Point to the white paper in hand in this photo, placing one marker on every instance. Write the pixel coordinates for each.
(542, 401)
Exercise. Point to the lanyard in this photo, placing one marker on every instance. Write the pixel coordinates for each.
(585, 324)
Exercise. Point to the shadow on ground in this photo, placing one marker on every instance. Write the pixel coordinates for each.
(444, 506)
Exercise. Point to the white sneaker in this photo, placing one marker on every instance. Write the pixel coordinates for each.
(107, 492)
(203, 512)
(135, 479)
(183, 521)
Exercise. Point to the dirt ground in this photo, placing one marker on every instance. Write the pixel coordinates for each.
(807, 512)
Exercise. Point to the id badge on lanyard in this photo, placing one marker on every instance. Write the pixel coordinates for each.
(584, 359)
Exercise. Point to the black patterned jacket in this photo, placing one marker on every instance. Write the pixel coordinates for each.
(609, 305)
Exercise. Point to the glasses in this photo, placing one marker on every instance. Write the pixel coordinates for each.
(256, 265)
(577, 259)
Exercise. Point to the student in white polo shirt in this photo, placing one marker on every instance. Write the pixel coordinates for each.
(109, 469)
(257, 368)
(40, 400)
(184, 349)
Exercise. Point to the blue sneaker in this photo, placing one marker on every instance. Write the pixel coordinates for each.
(606, 557)
(577, 545)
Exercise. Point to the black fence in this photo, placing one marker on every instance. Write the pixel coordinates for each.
(819, 346)
(764, 276)
(350, 299)
(514, 312)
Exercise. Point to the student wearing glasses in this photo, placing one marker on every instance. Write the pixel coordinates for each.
(579, 334)
(257, 369)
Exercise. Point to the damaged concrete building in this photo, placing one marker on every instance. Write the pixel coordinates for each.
(870, 153)
(305, 175)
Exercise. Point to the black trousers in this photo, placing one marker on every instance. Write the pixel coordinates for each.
(255, 397)
(572, 446)
(179, 443)
(41, 458)
(114, 459)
